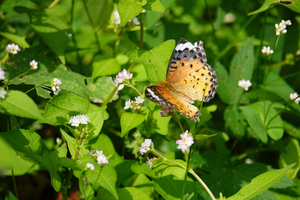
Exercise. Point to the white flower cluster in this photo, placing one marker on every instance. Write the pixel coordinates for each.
(55, 86)
(244, 84)
(281, 27)
(267, 50)
(185, 142)
(134, 104)
(12, 48)
(79, 119)
(33, 64)
(293, 97)
(121, 77)
(145, 146)
(99, 156)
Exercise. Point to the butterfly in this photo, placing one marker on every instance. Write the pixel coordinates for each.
(188, 78)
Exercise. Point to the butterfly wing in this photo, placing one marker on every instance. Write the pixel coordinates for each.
(163, 95)
(189, 73)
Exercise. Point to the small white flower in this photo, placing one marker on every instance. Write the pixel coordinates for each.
(150, 162)
(2, 74)
(12, 48)
(2, 93)
(90, 166)
(145, 146)
(101, 159)
(55, 85)
(267, 50)
(281, 27)
(293, 97)
(139, 99)
(128, 104)
(37, 126)
(33, 64)
(185, 142)
(248, 161)
(244, 84)
(58, 140)
(79, 119)
(117, 17)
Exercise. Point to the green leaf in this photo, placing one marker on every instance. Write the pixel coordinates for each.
(104, 176)
(130, 121)
(104, 143)
(291, 154)
(30, 146)
(254, 118)
(152, 17)
(278, 86)
(97, 118)
(100, 11)
(225, 83)
(51, 29)
(49, 68)
(104, 67)
(61, 107)
(10, 196)
(235, 119)
(260, 184)
(291, 130)
(241, 67)
(254, 113)
(155, 61)
(72, 146)
(161, 123)
(291, 4)
(154, 5)
(129, 9)
(20, 104)
(132, 193)
(264, 7)
(15, 39)
(56, 181)
(86, 189)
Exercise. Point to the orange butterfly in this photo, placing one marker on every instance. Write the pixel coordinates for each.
(188, 77)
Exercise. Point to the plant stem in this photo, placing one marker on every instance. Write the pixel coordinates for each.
(14, 181)
(53, 3)
(190, 171)
(179, 123)
(92, 24)
(142, 31)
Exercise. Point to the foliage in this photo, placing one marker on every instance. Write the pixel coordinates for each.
(245, 146)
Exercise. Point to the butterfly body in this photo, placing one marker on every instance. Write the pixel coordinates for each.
(188, 78)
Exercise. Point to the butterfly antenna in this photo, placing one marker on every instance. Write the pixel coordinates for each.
(154, 71)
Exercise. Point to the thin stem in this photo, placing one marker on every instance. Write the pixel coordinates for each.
(189, 170)
(231, 43)
(203, 184)
(131, 86)
(18, 76)
(280, 112)
(53, 3)
(109, 97)
(178, 121)
(14, 181)
(261, 45)
(142, 31)
(92, 24)
(115, 89)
